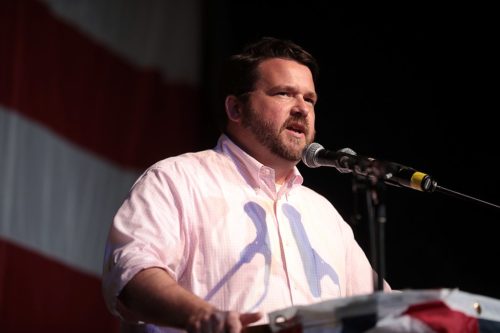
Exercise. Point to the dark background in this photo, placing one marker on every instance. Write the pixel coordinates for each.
(415, 86)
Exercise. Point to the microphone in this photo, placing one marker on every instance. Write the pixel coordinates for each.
(346, 160)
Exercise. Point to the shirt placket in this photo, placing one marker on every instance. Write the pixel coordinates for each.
(291, 258)
(291, 261)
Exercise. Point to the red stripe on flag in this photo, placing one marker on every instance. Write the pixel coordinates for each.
(53, 73)
(48, 296)
(438, 316)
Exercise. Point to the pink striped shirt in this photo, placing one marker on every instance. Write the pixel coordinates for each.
(216, 223)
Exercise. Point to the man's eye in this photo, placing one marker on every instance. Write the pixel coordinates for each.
(311, 100)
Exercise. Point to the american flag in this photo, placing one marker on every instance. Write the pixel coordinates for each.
(91, 92)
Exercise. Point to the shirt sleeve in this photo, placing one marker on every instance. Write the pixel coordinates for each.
(146, 232)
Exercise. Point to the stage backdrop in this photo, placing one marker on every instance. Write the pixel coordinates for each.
(91, 93)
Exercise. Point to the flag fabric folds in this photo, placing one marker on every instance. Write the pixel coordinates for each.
(409, 311)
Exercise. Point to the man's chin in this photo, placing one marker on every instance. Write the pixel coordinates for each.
(291, 150)
(294, 154)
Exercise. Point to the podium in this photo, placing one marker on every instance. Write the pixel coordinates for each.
(407, 311)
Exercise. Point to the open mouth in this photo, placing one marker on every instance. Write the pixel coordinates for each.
(296, 128)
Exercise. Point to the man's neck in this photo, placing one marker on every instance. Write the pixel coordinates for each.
(281, 177)
(282, 167)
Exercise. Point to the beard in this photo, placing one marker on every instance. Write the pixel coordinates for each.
(289, 149)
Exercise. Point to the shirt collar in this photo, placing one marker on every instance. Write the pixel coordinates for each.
(256, 173)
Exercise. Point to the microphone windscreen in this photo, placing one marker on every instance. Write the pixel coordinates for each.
(309, 155)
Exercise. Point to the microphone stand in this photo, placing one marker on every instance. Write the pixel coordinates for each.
(370, 180)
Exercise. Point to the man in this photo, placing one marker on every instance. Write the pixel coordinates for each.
(212, 241)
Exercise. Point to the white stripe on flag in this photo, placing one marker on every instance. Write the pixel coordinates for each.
(56, 198)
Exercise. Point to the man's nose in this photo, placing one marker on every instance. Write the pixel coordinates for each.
(301, 106)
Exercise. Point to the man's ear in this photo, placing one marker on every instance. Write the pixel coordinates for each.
(233, 108)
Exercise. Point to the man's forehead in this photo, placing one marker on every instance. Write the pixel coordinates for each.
(283, 71)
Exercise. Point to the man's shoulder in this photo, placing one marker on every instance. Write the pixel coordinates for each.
(180, 169)
(188, 163)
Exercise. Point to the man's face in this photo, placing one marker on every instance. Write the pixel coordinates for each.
(280, 110)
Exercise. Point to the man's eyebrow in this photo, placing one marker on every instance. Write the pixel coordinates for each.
(283, 87)
(292, 88)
